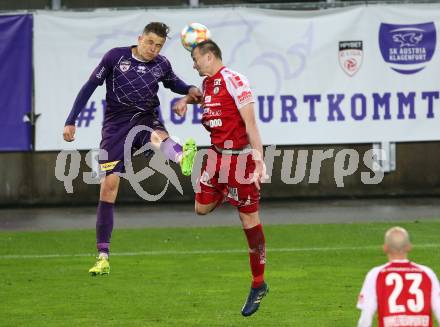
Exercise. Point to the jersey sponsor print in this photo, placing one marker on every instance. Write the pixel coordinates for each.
(224, 94)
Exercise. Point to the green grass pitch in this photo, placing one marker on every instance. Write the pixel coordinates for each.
(195, 276)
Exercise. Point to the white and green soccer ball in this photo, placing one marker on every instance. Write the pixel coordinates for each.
(192, 34)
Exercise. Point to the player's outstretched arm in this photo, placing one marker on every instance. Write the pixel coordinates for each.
(248, 116)
(366, 318)
(195, 94)
(180, 107)
(81, 100)
(367, 301)
(435, 295)
(69, 133)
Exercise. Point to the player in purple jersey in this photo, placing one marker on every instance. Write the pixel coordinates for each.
(132, 75)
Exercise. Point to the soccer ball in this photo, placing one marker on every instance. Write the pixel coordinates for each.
(193, 34)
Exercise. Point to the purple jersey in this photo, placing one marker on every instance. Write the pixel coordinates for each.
(132, 85)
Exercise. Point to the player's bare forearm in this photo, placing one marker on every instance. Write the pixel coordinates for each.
(255, 139)
(248, 115)
(191, 100)
(195, 94)
(180, 107)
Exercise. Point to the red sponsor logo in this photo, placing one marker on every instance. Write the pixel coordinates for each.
(244, 96)
(238, 80)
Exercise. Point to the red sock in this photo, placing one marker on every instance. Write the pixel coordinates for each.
(257, 253)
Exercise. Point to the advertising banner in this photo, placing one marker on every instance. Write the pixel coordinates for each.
(354, 75)
(16, 82)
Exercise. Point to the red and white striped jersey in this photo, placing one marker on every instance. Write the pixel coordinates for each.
(224, 94)
(403, 294)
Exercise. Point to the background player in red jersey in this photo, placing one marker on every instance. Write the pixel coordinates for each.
(234, 167)
(403, 293)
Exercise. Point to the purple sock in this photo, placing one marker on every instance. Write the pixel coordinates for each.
(171, 149)
(104, 226)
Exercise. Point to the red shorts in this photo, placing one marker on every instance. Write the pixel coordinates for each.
(228, 176)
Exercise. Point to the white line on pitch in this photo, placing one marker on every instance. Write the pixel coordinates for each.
(195, 252)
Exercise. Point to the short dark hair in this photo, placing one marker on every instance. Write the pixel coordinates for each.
(208, 46)
(157, 28)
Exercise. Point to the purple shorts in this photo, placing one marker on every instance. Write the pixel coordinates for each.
(115, 134)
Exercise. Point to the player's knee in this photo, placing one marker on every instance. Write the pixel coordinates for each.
(249, 220)
(157, 137)
(109, 190)
(202, 210)
(108, 195)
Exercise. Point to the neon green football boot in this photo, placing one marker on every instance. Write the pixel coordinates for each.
(101, 267)
(189, 153)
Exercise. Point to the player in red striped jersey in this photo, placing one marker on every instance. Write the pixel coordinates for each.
(235, 167)
(403, 293)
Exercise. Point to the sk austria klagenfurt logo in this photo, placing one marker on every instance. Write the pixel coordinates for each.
(407, 48)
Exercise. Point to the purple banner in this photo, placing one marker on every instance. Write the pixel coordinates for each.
(15, 82)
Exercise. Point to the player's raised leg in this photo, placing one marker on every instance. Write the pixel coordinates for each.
(104, 223)
(204, 209)
(188, 156)
(257, 258)
(173, 151)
